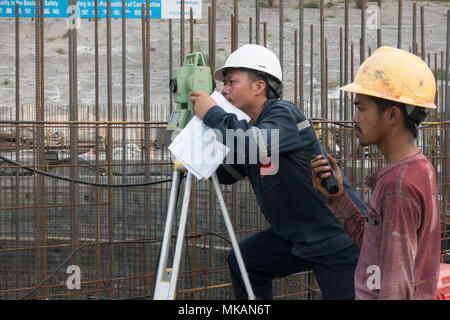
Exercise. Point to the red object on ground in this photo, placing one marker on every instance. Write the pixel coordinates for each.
(443, 291)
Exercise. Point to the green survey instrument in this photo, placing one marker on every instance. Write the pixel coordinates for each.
(193, 75)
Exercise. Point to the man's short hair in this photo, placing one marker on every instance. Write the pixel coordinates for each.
(384, 104)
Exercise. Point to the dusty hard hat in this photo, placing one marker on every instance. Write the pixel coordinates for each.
(397, 75)
(254, 57)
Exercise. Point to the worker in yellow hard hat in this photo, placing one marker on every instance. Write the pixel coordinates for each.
(400, 234)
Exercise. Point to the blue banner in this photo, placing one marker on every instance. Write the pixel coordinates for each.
(85, 9)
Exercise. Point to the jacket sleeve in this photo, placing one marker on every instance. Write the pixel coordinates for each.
(230, 173)
(277, 130)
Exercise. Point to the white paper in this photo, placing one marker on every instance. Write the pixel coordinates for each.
(196, 146)
(228, 107)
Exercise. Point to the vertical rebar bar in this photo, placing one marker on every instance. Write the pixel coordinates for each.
(212, 57)
(414, 23)
(352, 153)
(210, 35)
(257, 21)
(191, 30)
(236, 24)
(74, 138)
(147, 114)
(341, 71)
(109, 139)
(181, 31)
(170, 61)
(301, 55)
(422, 31)
(97, 137)
(38, 178)
(325, 115)
(399, 28)
(447, 96)
(322, 57)
(447, 116)
(346, 35)
(124, 139)
(295, 68)
(311, 74)
(437, 99)
(352, 61)
(70, 57)
(265, 34)
(42, 148)
(145, 103)
(250, 31)
(379, 25)
(441, 109)
(281, 37)
(232, 34)
(362, 49)
(15, 220)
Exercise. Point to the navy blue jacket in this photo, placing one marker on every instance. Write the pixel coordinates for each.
(288, 200)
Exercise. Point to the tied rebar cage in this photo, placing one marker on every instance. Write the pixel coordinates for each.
(84, 167)
(204, 271)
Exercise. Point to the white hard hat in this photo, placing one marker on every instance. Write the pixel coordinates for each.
(254, 57)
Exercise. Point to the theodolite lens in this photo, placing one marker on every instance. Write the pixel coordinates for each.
(173, 85)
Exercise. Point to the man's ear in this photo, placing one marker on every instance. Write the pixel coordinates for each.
(394, 115)
(260, 86)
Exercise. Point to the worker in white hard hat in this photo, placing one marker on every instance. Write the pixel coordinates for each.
(400, 234)
(303, 234)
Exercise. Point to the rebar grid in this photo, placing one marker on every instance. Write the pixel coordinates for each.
(204, 271)
(48, 223)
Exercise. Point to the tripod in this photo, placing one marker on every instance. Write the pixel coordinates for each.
(166, 278)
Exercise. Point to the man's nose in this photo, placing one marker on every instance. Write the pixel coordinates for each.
(225, 90)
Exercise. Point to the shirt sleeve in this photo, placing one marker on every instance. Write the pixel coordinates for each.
(400, 221)
(350, 217)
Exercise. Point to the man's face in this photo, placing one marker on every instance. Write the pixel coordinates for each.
(369, 124)
(238, 89)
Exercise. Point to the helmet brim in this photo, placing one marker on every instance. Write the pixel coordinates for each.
(218, 74)
(356, 88)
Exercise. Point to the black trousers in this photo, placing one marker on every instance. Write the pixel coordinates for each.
(266, 256)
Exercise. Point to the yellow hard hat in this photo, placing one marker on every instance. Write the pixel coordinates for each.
(397, 75)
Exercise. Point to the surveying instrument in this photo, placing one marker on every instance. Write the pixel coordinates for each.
(193, 75)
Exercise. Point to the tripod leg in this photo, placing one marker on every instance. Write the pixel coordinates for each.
(161, 289)
(233, 239)
(180, 236)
